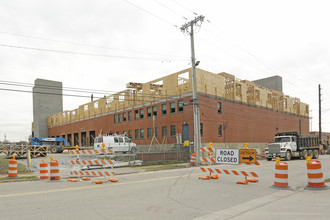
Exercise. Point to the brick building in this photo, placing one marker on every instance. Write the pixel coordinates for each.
(231, 111)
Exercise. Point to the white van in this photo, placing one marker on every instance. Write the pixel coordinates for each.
(116, 143)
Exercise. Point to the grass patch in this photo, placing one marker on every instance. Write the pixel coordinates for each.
(21, 169)
(22, 178)
(327, 180)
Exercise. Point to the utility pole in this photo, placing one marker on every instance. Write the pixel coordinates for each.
(185, 28)
(320, 127)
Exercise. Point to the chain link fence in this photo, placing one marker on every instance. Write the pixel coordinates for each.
(164, 153)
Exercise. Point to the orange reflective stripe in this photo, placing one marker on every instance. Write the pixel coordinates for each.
(281, 176)
(315, 175)
(281, 167)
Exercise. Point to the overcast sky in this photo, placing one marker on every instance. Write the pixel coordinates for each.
(103, 44)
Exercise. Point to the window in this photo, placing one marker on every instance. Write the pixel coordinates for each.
(128, 140)
(141, 134)
(180, 106)
(220, 130)
(115, 139)
(119, 118)
(115, 119)
(124, 116)
(130, 135)
(136, 114)
(149, 112)
(201, 129)
(136, 134)
(121, 140)
(141, 113)
(149, 133)
(172, 107)
(163, 109)
(164, 132)
(172, 131)
(129, 116)
(154, 109)
(219, 107)
(155, 132)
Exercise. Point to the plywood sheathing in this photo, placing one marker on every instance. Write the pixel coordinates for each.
(221, 85)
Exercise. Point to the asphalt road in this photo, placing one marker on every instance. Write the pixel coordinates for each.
(171, 194)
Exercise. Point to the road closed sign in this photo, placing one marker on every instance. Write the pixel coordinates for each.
(227, 156)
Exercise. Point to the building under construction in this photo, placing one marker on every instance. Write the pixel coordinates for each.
(161, 111)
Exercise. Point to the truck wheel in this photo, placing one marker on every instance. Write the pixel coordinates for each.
(53, 149)
(288, 155)
(310, 153)
(315, 154)
(269, 158)
(304, 154)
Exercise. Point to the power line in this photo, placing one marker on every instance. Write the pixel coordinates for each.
(150, 13)
(170, 9)
(87, 54)
(80, 96)
(229, 53)
(182, 6)
(84, 44)
(69, 88)
(267, 64)
(262, 61)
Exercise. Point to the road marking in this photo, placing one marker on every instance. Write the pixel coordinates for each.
(88, 187)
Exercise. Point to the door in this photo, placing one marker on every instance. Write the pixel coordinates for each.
(185, 133)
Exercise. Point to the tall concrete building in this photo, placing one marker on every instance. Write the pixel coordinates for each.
(232, 111)
(47, 100)
(273, 82)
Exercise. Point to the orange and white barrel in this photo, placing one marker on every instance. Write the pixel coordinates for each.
(44, 170)
(193, 158)
(281, 175)
(315, 175)
(54, 170)
(12, 168)
(263, 153)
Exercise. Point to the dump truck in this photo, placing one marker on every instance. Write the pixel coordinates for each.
(287, 145)
(54, 145)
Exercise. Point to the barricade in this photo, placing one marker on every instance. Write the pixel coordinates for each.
(44, 170)
(92, 162)
(80, 173)
(54, 170)
(281, 175)
(91, 152)
(12, 168)
(315, 175)
(193, 159)
(228, 172)
(92, 173)
(224, 171)
(210, 151)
